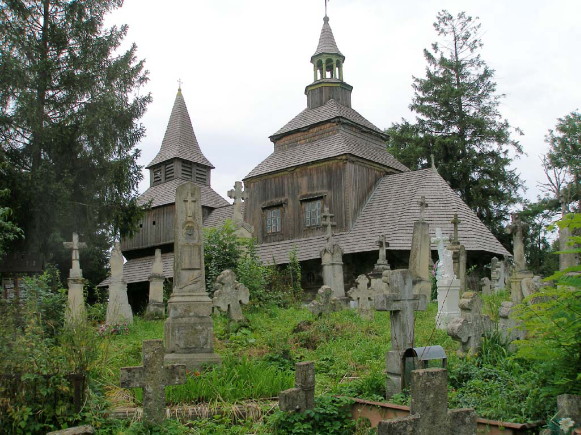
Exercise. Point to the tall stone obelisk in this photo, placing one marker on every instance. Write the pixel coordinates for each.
(189, 330)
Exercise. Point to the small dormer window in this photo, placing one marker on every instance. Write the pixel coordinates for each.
(157, 176)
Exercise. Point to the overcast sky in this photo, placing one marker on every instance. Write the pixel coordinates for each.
(244, 65)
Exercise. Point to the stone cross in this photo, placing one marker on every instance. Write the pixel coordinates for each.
(455, 221)
(469, 328)
(190, 201)
(485, 286)
(423, 205)
(429, 413)
(238, 195)
(363, 294)
(229, 294)
(75, 246)
(383, 245)
(402, 304)
(327, 222)
(324, 303)
(516, 228)
(302, 397)
(153, 377)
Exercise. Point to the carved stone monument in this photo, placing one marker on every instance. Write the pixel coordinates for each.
(324, 303)
(447, 283)
(332, 259)
(229, 294)
(76, 301)
(420, 254)
(363, 294)
(153, 377)
(401, 303)
(302, 397)
(429, 413)
(471, 326)
(118, 308)
(155, 306)
(189, 329)
(376, 275)
(458, 255)
(520, 273)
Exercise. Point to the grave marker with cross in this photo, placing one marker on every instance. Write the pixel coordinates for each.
(423, 205)
(326, 222)
(324, 303)
(421, 254)
(401, 304)
(458, 254)
(382, 263)
(429, 413)
(238, 195)
(302, 397)
(364, 295)
(153, 377)
(332, 258)
(75, 299)
(229, 294)
(75, 246)
(469, 328)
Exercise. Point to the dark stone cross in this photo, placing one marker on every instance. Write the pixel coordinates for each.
(423, 205)
(327, 222)
(455, 222)
(302, 397)
(429, 413)
(153, 377)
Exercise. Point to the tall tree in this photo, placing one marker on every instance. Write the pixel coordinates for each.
(457, 121)
(69, 122)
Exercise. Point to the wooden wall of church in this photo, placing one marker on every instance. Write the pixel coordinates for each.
(342, 184)
(155, 229)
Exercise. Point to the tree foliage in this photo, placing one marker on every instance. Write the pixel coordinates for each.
(69, 111)
(458, 122)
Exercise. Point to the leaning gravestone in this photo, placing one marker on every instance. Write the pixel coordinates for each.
(229, 294)
(302, 397)
(420, 254)
(153, 377)
(429, 413)
(324, 303)
(155, 306)
(363, 294)
(471, 326)
(401, 303)
(189, 329)
(118, 308)
(76, 301)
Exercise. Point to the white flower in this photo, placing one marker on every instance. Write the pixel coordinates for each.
(565, 424)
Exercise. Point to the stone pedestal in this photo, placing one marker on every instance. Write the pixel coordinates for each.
(189, 329)
(76, 311)
(155, 306)
(448, 298)
(420, 255)
(516, 285)
(332, 263)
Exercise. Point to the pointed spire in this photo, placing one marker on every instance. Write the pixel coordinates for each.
(180, 140)
(327, 42)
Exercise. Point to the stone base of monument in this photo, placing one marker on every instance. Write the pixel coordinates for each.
(448, 298)
(394, 375)
(155, 310)
(516, 284)
(76, 302)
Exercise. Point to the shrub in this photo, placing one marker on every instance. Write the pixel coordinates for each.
(222, 249)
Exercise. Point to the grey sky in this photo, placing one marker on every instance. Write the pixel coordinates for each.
(244, 65)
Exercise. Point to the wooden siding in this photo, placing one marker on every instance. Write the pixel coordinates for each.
(156, 229)
(343, 185)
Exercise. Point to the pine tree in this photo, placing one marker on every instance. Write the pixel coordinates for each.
(69, 111)
(457, 121)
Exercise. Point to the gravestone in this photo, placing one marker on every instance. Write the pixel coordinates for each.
(485, 286)
(509, 328)
(378, 284)
(363, 294)
(302, 397)
(118, 308)
(447, 283)
(76, 301)
(458, 254)
(238, 194)
(516, 228)
(153, 377)
(229, 294)
(469, 328)
(429, 413)
(155, 306)
(189, 329)
(332, 259)
(324, 302)
(420, 254)
(401, 304)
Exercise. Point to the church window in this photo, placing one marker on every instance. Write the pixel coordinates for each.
(273, 220)
(157, 176)
(312, 213)
(169, 171)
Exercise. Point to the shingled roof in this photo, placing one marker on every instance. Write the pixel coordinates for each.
(165, 193)
(343, 142)
(330, 110)
(392, 210)
(327, 42)
(179, 140)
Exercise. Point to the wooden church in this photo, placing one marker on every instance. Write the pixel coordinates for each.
(328, 156)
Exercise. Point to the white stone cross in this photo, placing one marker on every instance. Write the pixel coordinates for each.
(402, 304)
(153, 377)
(229, 294)
(429, 413)
(75, 246)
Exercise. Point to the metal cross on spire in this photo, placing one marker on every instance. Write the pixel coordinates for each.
(180, 84)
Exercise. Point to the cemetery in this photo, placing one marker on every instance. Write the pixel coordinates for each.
(339, 292)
